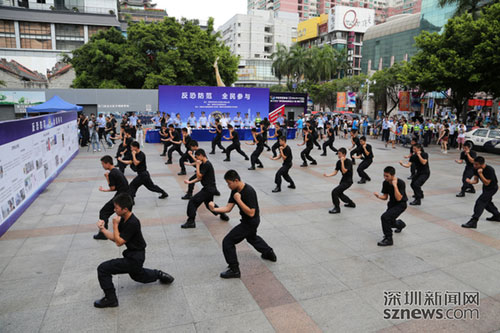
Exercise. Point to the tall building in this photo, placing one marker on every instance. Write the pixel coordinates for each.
(254, 37)
(35, 33)
(140, 10)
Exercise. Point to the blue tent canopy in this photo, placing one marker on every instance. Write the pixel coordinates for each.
(55, 104)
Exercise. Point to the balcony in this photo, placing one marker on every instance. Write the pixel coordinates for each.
(60, 6)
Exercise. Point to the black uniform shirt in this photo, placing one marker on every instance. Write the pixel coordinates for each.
(175, 137)
(118, 180)
(369, 149)
(388, 188)
(187, 140)
(130, 231)
(356, 142)
(346, 177)
(249, 198)
(422, 169)
(236, 138)
(468, 164)
(280, 133)
(259, 141)
(208, 173)
(331, 133)
(219, 130)
(488, 173)
(287, 151)
(141, 167)
(309, 143)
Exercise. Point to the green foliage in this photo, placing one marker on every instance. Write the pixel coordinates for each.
(388, 83)
(167, 52)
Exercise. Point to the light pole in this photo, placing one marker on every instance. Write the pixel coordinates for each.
(368, 82)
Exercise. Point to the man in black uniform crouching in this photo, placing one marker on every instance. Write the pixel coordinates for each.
(394, 190)
(126, 230)
(245, 197)
(117, 183)
(344, 165)
(286, 155)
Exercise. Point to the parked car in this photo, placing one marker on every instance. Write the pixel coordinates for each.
(484, 139)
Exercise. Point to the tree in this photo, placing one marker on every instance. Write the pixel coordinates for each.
(299, 62)
(389, 82)
(463, 6)
(166, 52)
(280, 62)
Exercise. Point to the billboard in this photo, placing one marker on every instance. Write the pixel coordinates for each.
(211, 100)
(404, 101)
(343, 18)
(341, 100)
(21, 99)
(32, 153)
(351, 99)
(279, 101)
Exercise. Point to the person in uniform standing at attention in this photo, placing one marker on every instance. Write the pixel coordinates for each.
(176, 141)
(356, 146)
(233, 135)
(367, 156)
(393, 189)
(257, 120)
(165, 139)
(305, 154)
(247, 123)
(216, 141)
(126, 231)
(467, 156)
(186, 140)
(237, 120)
(422, 172)
(223, 121)
(286, 155)
(177, 122)
(344, 165)
(245, 197)
(278, 133)
(157, 120)
(116, 183)
(203, 121)
(330, 139)
(138, 164)
(205, 174)
(254, 158)
(191, 122)
(490, 186)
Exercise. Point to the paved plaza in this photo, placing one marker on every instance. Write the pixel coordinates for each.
(330, 275)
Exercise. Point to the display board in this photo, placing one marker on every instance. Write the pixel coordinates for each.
(346, 18)
(32, 153)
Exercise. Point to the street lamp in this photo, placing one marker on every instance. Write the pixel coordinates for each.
(368, 82)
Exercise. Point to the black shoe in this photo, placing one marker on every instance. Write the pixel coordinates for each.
(350, 205)
(187, 196)
(368, 179)
(292, 186)
(269, 256)
(303, 165)
(224, 151)
(106, 303)
(246, 158)
(268, 149)
(260, 166)
(314, 163)
(165, 278)
(472, 224)
(251, 168)
(227, 160)
(163, 196)
(212, 153)
(460, 195)
(319, 148)
(277, 189)
(168, 162)
(493, 218)
(362, 181)
(470, 190)
(231, 274)
(334, 210)
(400, 226)
(163, 154)
(100, 235)
(217, 193)
(323, 154)
(182, 173)
(385, 242)
(224, 217)
(415, 202)
(188, 225)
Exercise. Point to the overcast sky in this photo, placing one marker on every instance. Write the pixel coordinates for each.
(220, 10)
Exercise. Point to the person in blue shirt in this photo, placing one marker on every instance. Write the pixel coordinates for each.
(247, 123)
(355, 125)
(364, 125)
(203, 120)
(237, 120)
(300, 126)
(191, 122)
(157, 120)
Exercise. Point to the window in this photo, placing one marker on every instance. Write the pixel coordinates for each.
(69, 36)
(481, 133)
(35, 35)
(7, 34)
(357, 50)
(495, 134)
(93, 30)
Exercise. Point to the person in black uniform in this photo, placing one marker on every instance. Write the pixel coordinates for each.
(186, 140)
(305, 154)
(138, 164)
(393, 189)
(124, 152)
(422, 172)
(330, 139)
(286, 155)
(367, 156)
(233, 135)
(206, 175)
(356, 146)
(218, 137)
(467, 156)
(412, 168)
(245, 197)
(278, 133)
(117, 183)
(490, 186)
(344, 165)
(254, 158)
(264, 128)
(126, 230)
(176, 140)
(165, 139)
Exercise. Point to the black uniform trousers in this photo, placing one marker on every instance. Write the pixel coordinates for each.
(427, 138)
(122, 166)
(100, 133)
(315, 141)
(254, 158)
(385, 135)
(166, 144)
(132, 264)
(283, 172)
(275, 148)
(244, 230)
(176, 148)
(363, 166)
(143, 178)
(416, 184)
(329, 143)
(306, 154)
(355, 151)
(389, 217)
(237, 147)
(413, 170)
(217, 142)
(185, 158)
(203, 196)
(106, 211)
(338, 193)
(485, 201)
(468, 174)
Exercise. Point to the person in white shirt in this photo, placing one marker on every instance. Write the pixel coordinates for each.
(461, 135)
(247, 122)
(223, 121)
(191, 122)
(132, 120)
(392, 133)
(203, 121)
